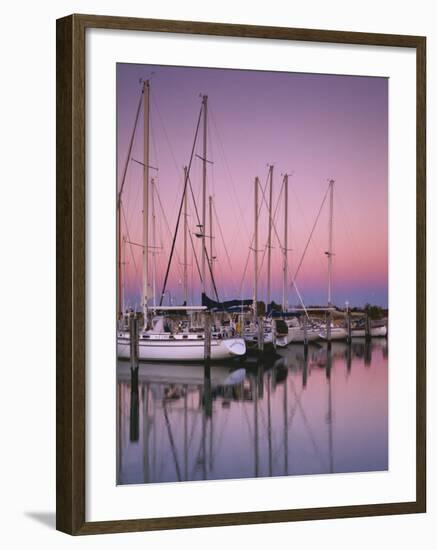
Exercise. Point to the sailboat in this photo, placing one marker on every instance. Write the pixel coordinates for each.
(337, 333)
(288, 329)
(159, 343)
(296, 332)
(254, 331)
(160, 339)
(329, 331)
(359, 330)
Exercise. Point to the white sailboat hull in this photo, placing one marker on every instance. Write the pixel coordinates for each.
(178, 349)
(337, 333)
(297, 335)
(375, 332)
(251, 340)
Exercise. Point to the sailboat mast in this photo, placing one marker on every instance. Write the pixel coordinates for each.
(123, 295)
(185, 236)
(205, 130)
(119, 204)
(146, 100)
(330, 252)
(153, 241)
(285, 267)
(269, 243)
(120, 281)
(255, 251)
(211, 257)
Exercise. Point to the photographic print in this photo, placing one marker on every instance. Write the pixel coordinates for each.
(252, 274)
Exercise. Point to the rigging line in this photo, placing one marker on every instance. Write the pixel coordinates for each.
(244, 273)
(274, 215)
(251, 242)
(203, 229)
(179, 219)
(201, 454)
(263, 192)
(284, 251)
(172, 443)
(221, 434)
(225, 293)
(280, 244)
(168, 229)
(130, 246)
(315, 244)
(262, 415)
(226, 164)
(161, 119)
(273, 225)
(195, 256)
(246, 416)
(310, 236)
(292, 415)
(167, 139)
(194, 202)
(128, 203)
(123, 179)
(300, 298)
(180, 209)
(308, 426)
(222, 237)
(193, 429)
(155, 149)
(211, 159)
(290, 422)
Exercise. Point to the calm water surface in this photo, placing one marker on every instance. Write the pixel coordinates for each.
(293, 415)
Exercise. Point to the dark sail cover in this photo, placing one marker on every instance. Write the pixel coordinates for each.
(228, 305)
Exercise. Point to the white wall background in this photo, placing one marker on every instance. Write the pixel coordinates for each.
(27, 273)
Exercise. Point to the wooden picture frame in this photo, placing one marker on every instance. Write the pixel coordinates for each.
(71, 246)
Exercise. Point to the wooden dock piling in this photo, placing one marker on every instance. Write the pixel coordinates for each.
(368, 353)
(207, 340)
(134, 340)
(207, 391)
(134, 414)
(349, 327)
(305, 334)
(349, 359)
(305, 368)
(260, 334)
(134, 364)
(329, 362)
(368, 332)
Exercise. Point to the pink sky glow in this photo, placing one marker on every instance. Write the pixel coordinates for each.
(313, 126)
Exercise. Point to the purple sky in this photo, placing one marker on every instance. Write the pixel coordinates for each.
(315, 126)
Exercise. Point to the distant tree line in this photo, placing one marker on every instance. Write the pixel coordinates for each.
(375, 312)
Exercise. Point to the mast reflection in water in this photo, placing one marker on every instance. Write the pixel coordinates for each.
(321, 413)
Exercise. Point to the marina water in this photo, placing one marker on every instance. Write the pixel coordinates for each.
(296, 413)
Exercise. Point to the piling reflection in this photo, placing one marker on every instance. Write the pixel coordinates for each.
(320, 410)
